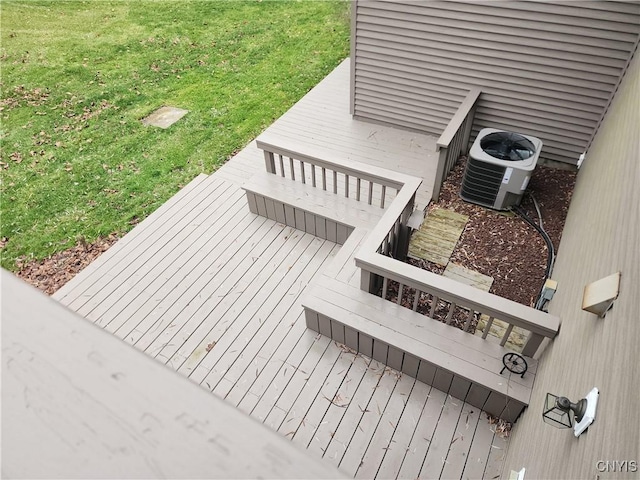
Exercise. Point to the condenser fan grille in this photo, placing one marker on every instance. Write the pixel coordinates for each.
(481, 182)
(508, 146)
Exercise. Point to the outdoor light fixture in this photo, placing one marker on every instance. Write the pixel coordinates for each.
(561, 412)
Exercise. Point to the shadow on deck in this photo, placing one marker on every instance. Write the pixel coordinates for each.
(214, 291)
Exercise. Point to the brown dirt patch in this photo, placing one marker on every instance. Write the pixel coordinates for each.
(53, 272)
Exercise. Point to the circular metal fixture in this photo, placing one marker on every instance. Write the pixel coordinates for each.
(514, 363)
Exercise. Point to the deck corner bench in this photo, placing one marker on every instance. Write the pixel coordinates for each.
(312, 210)
(463, 365)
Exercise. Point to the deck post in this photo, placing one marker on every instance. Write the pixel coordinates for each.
(533, 343)
(404, 234)
(440, 172)
(367, 281)
(269, 162)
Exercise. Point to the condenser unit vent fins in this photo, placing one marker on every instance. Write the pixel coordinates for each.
(481, 182)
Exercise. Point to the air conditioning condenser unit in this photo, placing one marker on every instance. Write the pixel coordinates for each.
(499, 168)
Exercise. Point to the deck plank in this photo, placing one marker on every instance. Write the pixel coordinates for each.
(404, 433)
(278, 309)
(150, 285)
(338, 411)
(158, 296)
(251, 303)
(381, 441)
(284, 361)
(496, 457)
(421, 440)
(189, 308)
(274, 331)
(442, 439)
(480, 449)
(287, 387)
(195, 284)
(216, 317)
(354, 412)
(358, 444)
(328, 396)
(297, 406)
(458, 454)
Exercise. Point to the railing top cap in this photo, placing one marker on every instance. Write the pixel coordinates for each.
(297, 150)
(458, 118)
(463, 295)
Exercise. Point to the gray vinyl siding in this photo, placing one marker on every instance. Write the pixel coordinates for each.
(601, 236)
(545, 69)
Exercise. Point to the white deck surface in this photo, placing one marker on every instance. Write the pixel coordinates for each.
(213, 291)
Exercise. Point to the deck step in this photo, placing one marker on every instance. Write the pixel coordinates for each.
(465, 366)
(313, 210)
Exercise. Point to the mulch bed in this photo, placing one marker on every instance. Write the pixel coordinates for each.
(53, 272)
(502, 245)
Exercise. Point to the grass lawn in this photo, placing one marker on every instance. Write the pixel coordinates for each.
(77, 78)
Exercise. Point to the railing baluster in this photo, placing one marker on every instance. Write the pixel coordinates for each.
(452, 307)
(506, 335)
(385, 285)
(434, 303)
(293, 171)
(399, 300)
(281, 166)
(346, 185)
(303, 178)
(313, 174)
(324, 178)
(469, 318)
(384, 194)
(416, 299)
(370, 201)
(396, 232)
(335, 182)
(487, 328)
(358, 182)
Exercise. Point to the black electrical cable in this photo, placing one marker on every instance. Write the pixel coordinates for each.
(550, 248)
(541, 224)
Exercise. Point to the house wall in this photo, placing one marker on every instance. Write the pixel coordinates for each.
(545, 69)
(601, 237)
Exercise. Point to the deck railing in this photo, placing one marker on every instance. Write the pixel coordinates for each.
(380, 257)
(381, 264)
(359, 181)
(449, 296)
(454, 140)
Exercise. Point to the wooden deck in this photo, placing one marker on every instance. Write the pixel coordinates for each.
(213, 291)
